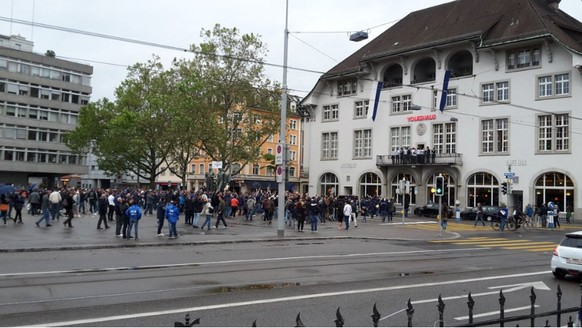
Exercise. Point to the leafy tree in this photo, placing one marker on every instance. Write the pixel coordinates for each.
(130, 135)
(241, 104)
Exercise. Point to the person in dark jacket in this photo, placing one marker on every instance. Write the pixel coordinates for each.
(18, 205)
(68, 206)
(120, 217)
(160, 215)
(102, 207)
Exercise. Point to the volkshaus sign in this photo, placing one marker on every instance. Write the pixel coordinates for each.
(422, 118)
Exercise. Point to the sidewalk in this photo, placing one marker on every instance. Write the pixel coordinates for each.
(27, 237)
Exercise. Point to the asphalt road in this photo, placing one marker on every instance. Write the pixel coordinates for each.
(271, 281)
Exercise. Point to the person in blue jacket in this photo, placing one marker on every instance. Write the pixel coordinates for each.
(134, 214)
(172, 215)
(503, 212)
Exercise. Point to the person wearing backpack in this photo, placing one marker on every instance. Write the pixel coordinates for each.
(134, 214)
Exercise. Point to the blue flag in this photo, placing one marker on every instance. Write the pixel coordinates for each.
(445, 89)
(376, 100)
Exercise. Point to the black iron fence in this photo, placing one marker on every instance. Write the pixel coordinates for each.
(531, 317)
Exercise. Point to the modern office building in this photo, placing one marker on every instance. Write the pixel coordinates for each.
(40, 98)
(511, 112)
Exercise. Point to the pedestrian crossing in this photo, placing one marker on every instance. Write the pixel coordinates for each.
(455, 227)
(503, 243)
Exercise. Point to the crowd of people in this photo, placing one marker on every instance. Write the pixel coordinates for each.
(122, 209)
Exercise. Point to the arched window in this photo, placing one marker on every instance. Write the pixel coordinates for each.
(202, 169)
(482, 188)
(398, 194)
(370, 185)
(393, 76)
(450, 190)
(424, 71)
(329, 184)
(461, 64)
(556, 187)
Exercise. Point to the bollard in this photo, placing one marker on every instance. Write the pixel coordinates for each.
(532, 298)
(375, 315)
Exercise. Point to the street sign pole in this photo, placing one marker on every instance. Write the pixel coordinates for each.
(440, 221)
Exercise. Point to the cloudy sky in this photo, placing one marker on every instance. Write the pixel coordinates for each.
(319, 37)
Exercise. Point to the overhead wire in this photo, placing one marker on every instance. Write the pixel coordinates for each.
(188, 50)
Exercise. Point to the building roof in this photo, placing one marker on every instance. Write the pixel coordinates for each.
(487, 23)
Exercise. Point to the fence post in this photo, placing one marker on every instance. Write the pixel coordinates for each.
(409, 312)
(441, 307)
(471, 304)
(532, 311)
(375, 315)
(559, 315)
(501, 308)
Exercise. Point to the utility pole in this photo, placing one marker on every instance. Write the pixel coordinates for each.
(283, 134)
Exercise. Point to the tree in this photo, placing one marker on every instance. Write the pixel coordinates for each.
(130, 135)
(241, 104)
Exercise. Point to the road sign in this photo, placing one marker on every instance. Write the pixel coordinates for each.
(279, 174)
(509, 175)
(279, 154)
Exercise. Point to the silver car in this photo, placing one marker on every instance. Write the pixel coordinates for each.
(567, 258)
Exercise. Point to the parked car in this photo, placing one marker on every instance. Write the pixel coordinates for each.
(567, 257)
(430, 209)
(470, 213)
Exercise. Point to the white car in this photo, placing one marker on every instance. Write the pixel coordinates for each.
(567, 258)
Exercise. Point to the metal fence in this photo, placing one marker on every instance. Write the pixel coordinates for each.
(339, 320)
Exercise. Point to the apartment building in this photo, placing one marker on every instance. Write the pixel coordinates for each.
(511, 112)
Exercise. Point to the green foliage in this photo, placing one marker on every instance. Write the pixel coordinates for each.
(219, 101)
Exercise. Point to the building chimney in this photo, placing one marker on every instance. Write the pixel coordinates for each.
(554, 4)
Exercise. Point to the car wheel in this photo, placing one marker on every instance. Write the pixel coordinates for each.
(559, 274)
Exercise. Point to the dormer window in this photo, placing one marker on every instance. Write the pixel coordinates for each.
(347, 87)
(524, 58)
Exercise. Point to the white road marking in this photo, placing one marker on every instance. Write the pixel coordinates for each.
(177, 265)
(82, 322)
(486, 314)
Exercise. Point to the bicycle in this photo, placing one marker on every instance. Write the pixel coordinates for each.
(521, 220)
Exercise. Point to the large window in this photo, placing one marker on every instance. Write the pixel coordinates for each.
(553, 86)
(482, 188)
(451, 99)
(399, 198)
(370, 185)
(329, 184)
(523, 58)
(329, 145)
(495, 136)
(363, 144)
(496, 92)
(444, 138)
(401, 104)
(361, 109)
(548, 141)
(399, 137)
(330, 113)
(557, 187)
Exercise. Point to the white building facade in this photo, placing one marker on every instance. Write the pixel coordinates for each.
(512, 108)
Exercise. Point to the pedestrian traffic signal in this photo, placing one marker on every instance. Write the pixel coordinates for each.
(504, 188)
(440, 186)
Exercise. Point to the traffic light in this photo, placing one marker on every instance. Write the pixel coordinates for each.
(504, 188)
(440, 186)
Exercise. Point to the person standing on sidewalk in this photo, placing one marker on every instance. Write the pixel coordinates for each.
(250, 205)
(120, 208)
(160, 215)
(313, 211)
(207, 211)
(197, 208)
(134, 214)
(347, 210)
(111, 205)
(18, 205)
(102, 206)
(45, 206)
(68, 203)
(172, 215)
(34, 201)
(3, 207)
(479, 215)
(221, 210)
(55, 199)
(301, 213)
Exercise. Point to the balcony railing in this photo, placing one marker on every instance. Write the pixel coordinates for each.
(436, 159)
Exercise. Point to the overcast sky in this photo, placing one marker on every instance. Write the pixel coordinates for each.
(319, 37)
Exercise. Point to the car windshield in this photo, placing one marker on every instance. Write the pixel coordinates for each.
(572, 242)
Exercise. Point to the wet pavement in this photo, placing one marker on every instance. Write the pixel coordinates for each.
(26, 237)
